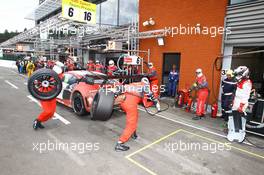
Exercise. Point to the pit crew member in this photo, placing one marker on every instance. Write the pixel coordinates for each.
(201, 85)
(48, 106)
(237, 121)
(133, 94)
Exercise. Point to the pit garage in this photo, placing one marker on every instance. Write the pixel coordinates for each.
(76, 141)
(253, 58)
(168, 143)
(254, 61)
(244, 46)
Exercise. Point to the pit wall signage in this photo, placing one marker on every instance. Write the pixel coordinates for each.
(79, 10)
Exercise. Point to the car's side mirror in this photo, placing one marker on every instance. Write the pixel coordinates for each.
(89, 80)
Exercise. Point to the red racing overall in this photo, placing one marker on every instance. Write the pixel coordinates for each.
(154, 82)
(130, 106)
(70, 66)
(99, 68)
(111, 70)
(48, 107)
(90, 66)
(202, 95)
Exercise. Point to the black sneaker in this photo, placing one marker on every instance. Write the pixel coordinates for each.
(37, 124)
(41, 126)
(225, 130)
(134, 136)
(197, 118)
(121, 147)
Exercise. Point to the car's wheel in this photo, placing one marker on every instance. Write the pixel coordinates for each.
(44, 84)
(78, 104)
(102, 106)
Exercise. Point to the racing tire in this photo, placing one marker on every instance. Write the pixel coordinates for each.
(44, 84)
(78, 104)
(102, 106)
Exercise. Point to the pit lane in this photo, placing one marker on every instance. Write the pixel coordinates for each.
(17, 137)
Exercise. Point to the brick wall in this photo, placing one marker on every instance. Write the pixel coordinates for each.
(197, 51)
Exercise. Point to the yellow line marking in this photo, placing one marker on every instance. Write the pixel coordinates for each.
(212, 140)
(146, 147)
(141, 166)
(157, 141)
(173, 133)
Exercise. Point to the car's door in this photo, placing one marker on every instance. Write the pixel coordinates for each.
(68, 82)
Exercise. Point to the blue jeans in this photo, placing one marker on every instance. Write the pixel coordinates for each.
(21, 69)
(172, 88)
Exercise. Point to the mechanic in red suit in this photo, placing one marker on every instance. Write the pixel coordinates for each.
(133, 94)
(153, 77)
(90, 65)
(50, 63)
(70, 65)
(111, 68)
(99, 67)
(48, 106)
(201, 85)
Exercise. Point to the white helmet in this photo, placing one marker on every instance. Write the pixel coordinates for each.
(150, 65)
(145, 80)
(58, 67)
(241, 72)
(199, 72)
(111, 62)
(97, 61)
(60, 64)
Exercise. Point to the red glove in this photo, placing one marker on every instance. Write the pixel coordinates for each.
(240, 109)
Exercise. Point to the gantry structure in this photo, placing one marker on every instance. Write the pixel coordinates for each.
(46, 34)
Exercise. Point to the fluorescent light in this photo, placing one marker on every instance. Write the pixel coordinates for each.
(161, 41)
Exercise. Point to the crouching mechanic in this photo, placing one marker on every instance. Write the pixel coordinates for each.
(133, 94)
(237, 120)
(48, 106)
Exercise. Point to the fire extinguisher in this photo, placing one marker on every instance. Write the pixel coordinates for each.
(180, 99)
(189, 104)
(214, 110)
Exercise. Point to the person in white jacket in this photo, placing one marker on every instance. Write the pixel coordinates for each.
(237, 121)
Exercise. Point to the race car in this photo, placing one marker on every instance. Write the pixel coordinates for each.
(81, 90)
(88, 92)
(77, 94)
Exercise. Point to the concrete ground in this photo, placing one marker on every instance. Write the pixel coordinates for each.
(169, 143)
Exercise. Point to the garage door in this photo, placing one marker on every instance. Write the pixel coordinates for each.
(246, 22)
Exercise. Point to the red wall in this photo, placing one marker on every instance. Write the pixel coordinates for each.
(197, 51)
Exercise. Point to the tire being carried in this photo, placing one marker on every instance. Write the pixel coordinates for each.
(102, 106)
(44, 84)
